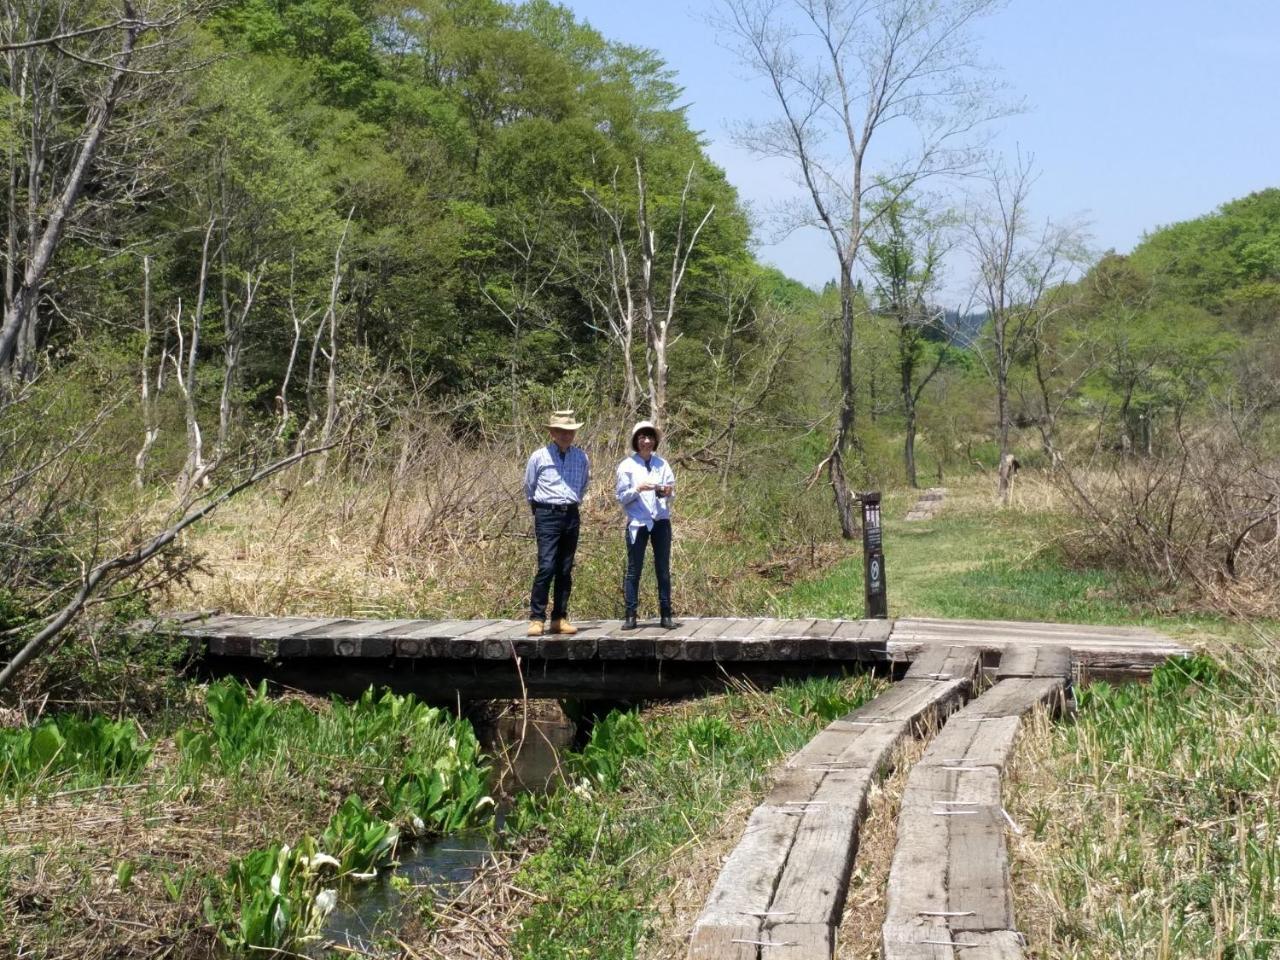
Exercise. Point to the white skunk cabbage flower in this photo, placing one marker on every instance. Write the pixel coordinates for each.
(484, 802)
(326, 900)
(371, 875)
(418, 824)
(321, 860)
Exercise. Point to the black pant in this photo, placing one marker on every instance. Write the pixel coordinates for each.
(660, 536)
(557, 534)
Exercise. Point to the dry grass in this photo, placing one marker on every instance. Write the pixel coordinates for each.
(448, 533)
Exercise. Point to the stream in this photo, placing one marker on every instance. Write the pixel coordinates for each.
(450, 862)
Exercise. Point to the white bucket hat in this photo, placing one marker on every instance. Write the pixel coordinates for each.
(562, 420)
(646, 425)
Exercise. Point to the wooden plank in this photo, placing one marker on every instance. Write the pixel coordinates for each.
(746, 883)
(815, 879)
(502, 645)
(912, 699)
(978, 887)
(972, 741)
(849, 745)
(725, 940)
(944, 662)
(358, 628)
(938, 786)
(1013, 698)
(1030, 629)
(799, 941)
(1048, 661)
(924, 938)
(932, 940)
(469, 644)
(625, 646)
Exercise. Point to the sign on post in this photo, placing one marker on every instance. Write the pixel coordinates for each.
(877, 602)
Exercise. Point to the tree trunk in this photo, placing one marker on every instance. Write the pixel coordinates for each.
(21, 305)
(845, 441)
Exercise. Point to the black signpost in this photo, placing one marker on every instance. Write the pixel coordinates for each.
(873, 556)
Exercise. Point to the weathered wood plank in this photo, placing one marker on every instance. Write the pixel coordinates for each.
(799, 941)
(944, 663)
(1038, 661)
(1031, 630)
(725, 940)
(929, 939)
(939, 786)
(978, 888)
(815, 879)
(747, 880)
(968, 740)
(1013, 698)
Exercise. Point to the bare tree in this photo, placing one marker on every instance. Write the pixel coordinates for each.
(1020, 267)
(65, 82)
(150, 423)
(844, 74)
(632, 299)
(658, 324)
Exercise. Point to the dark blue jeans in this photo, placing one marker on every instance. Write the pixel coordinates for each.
(660, 537)
(557, 535)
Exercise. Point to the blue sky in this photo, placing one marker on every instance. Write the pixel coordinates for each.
(1141, 112)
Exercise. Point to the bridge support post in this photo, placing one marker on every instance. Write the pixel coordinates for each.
(877, 602)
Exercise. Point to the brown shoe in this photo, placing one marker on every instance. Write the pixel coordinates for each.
(535, 628)
(563, 626)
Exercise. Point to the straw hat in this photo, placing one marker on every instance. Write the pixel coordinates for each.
(646, 425)
(562, 420)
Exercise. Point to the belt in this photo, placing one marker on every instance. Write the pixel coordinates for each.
(556, 507)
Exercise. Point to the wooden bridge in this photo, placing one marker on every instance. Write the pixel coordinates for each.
(443, 659)
(781, 893)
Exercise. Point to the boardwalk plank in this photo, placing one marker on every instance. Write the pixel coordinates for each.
(944, 663)
(1047, 661)
(816, 876)
(725, 940)
(1013, 698)
(746, 883)
(978, 888)
(799, 941)
(967, 740)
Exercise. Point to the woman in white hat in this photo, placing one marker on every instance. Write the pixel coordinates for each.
(646, 487)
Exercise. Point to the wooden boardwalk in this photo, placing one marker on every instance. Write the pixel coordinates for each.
(781, 891)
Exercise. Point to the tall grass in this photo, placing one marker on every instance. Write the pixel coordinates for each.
(1155, 818)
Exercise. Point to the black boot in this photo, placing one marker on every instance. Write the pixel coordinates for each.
(667, 622)
(629, 622)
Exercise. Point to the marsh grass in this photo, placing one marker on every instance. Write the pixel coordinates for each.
(1153, 822)
(215, 838)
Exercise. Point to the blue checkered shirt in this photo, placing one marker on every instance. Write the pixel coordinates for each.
(552, 477)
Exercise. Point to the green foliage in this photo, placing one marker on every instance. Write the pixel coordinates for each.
(240, 718)
(615, 740)
(420, 773)
(358, 839)
(68, 750)
(823, 698)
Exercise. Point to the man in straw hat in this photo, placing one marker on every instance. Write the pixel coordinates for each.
(555, 482)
